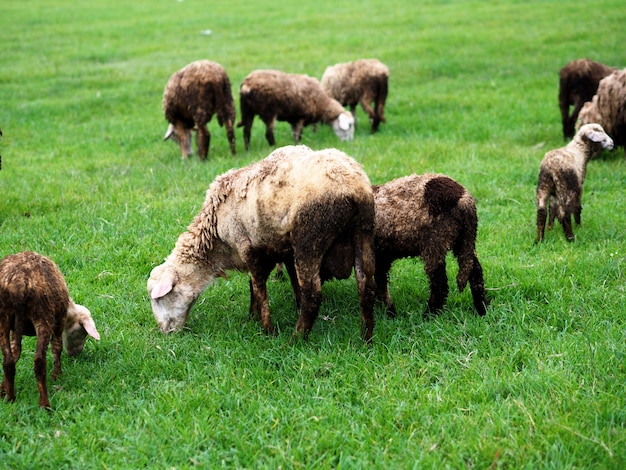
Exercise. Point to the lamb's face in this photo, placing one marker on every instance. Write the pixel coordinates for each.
(172, 294)
(173, 135)
(595, 133)
(344, 126)
(78, 326)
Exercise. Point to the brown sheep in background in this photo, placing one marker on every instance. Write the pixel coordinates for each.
(363, 81)
(191, 97)
(292, 206)
(578, 82)
(561, 178)
(297, 99)
(34, 301)
(608, 108)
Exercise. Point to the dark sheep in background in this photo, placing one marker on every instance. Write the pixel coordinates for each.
(34, 301)
(363, 81)
(561, 178)
(297, 99)
(578, 82)
(191, 97)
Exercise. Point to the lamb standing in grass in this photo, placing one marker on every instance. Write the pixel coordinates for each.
(578, 82)
(34, 300)
(608, 108)
(362, 81)
(292, 206)
(561, 178)
(297, 99)
(191, 97)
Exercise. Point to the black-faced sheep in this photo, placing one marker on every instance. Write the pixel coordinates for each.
(608, 108)
(191, 97)
(362, 81)
(34, 301)
(290, 207)
(561, 178)
(297, 99)
(422, 216)
(578, 82)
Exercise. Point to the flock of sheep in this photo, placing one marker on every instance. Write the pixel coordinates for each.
(315, 212)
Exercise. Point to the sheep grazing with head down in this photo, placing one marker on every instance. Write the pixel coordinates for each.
(608, 108)
(425, 216)
(34, 300)
(561, 178)
(297, 99)
(578, 82)
(289, 207)
(363, 81)
(190, 99)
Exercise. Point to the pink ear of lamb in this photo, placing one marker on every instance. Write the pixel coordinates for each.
(161, 288)
(90, 327)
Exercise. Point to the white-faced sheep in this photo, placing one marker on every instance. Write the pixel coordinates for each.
(34, 301)
(297, 99)
(561, 178)
(290, 207)
(578, 82)
(608, 108)
(423, 216)
(190, 99)
(363, 81)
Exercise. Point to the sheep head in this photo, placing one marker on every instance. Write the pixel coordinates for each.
(344, 126)
(78, 325)
(173, 134)
(596, 137)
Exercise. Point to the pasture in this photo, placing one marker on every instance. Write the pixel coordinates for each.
(539, 382)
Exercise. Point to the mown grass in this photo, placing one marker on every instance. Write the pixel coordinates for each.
(86, 180)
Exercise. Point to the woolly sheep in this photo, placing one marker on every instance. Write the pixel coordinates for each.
(578, 82)
(608, 108)
(191, 97)
(424, 216)
(34, 301)
(561, 178)
(293, 205)
(297, 99)
(362, 81)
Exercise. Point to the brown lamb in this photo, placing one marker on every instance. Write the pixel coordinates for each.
(293, 205)
(190, 99)
(562, 176)
(578, 82)
(297, 99)
(34, 301)
(363, 81)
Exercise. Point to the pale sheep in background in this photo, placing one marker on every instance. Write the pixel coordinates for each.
(34, 301)
(363, 81)
(191, 97)
(297, 99)
(561, 178)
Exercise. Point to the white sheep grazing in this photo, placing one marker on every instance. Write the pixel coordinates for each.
(297, 99)
(289, 207)
(361, 81)
(34, 301)
(608, 108)
(562, 175)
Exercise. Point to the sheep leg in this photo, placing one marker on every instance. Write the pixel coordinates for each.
(43, 338)
(541, 223)
(230, 133)
(183, 139)
(310, 287)
(296, 130)
(566, 222)
(270, 122)
(203, 141)
(259, 303)
(381, 276)
(8, 362)
(577, 214)
(373, 116)
(477, 286)
(364, 272)
(438, 286)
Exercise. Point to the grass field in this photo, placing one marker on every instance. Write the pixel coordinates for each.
(539, 382)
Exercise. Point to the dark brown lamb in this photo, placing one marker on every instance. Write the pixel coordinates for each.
(191, 97)
(363, 81)
(34, 301)
(578, 82)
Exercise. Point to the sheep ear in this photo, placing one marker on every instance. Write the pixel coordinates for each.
(90, 327)
(169, 132)
(163, 287)
(595, 136)
(344, 122)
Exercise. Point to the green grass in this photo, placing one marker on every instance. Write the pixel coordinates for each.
(538, 383)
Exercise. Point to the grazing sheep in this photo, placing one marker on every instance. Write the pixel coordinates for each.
(297, 99)
(578, 82)
(34, 301)
(608, 108)
(425, 216)
(191, 97)
(290, 207)
(362, 81)
(561, 178)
